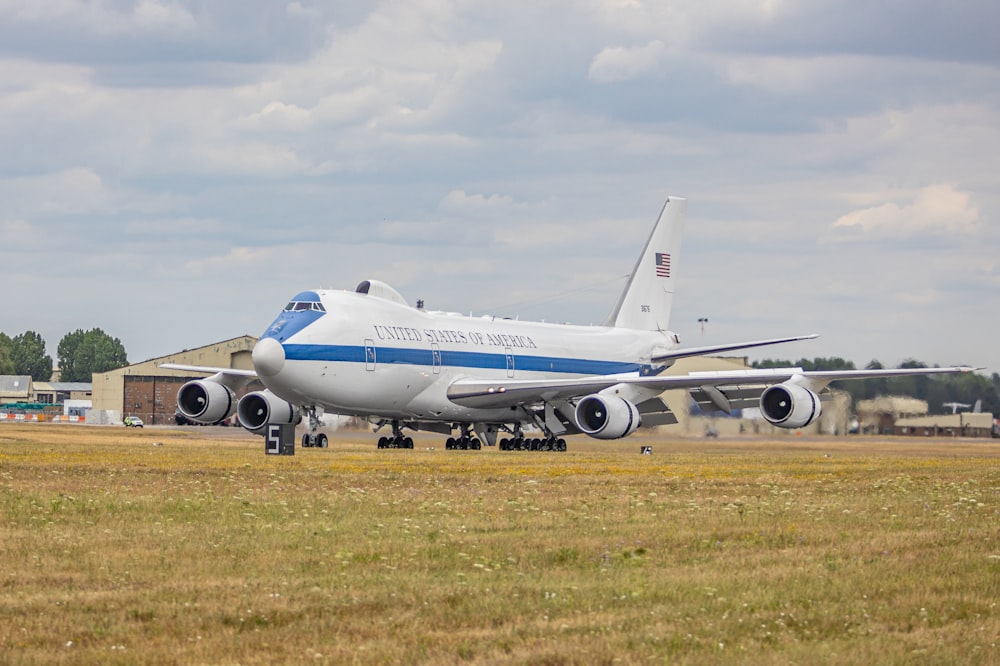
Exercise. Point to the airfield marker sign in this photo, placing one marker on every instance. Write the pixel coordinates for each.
(280, 439)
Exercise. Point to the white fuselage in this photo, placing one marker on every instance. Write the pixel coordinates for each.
(361, 355)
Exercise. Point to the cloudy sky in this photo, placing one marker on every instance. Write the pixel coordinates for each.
(171, 171)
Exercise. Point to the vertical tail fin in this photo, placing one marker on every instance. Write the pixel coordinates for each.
(649, 293)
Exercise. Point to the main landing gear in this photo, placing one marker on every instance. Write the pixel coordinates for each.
(465, 441)
(398, 439)
(533, 444)
(521, 443)
(314, 439)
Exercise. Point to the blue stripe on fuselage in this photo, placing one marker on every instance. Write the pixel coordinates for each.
(397, 355)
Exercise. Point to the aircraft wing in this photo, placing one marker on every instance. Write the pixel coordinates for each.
(726, 388)
(234, 378)
(209, 371)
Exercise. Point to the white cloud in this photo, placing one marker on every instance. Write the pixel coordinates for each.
(277, 116)
(622, 63)
(457, 201)
(76, 190)
(236, 262)
(934, 210)
(244, 156)
(151, 14)
(300, 10)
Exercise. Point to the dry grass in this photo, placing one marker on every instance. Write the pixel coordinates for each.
(203, 550)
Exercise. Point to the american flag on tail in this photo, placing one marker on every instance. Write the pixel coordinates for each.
(662, 264)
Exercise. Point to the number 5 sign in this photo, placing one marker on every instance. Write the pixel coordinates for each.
(279, 439)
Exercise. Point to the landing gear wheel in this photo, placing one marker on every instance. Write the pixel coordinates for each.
(322, 441)
(398, 439)
(305, 442)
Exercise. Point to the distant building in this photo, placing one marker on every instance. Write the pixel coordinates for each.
(148, 391)
(894, 415)
(16, 388)
(879, 416)
(963, 424)
(59, 392)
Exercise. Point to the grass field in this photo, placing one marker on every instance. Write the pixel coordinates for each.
(191, 546)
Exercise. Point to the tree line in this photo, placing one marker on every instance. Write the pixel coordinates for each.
(966, 387)
(80, 354)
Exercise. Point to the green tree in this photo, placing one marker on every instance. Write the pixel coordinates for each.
(83, 353)
(818, 363)
(29, 357)
(6, 349)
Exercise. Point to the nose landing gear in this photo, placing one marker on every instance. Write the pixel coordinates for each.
(314, 439)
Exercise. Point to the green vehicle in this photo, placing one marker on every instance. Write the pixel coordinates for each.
(133, 422)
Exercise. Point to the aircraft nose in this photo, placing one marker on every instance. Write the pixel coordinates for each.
(268, 357)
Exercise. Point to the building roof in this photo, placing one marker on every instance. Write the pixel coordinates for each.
(237, 343)
(71, 386)
(15, 386)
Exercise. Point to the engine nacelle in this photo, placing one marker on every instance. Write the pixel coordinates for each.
(790, 405)
(255, 410)
(206, 401)
(607, 417)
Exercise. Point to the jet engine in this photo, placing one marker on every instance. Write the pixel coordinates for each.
(606, 417)
(205, 401)
(257, 409)
(790, 405)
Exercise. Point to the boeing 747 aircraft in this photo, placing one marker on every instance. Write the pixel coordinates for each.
(368, 353)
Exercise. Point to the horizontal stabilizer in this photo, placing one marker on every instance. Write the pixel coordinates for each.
(733, 346)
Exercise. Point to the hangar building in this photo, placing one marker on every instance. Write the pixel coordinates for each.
(148, 391)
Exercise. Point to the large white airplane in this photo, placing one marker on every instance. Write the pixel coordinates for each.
(367, 353)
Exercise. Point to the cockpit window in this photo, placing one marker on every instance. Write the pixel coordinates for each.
(300, 306)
